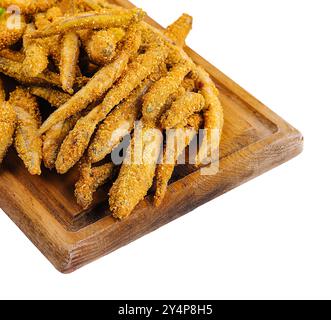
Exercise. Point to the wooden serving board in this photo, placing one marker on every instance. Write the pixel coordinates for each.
(255, 140)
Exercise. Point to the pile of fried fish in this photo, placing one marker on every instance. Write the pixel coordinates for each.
(101, 68)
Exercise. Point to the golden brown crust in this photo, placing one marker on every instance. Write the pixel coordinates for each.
(136, 179)
(9, 36)
(177, 141)
(7, 127)
(28, 144)
(179, 30)
(36, 55)
(90, 180)
(13, 69)
(125, 55)
(97, 86)
(101, 45)
(55, 97)
(186, 105)
(157, 96)
(213, 115)
(92, 20)
(29, 6)
(78, 139)
(118, 124)
(54, 138)
(69, 60)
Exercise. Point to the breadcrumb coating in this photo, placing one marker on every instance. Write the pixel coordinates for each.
(213, 115)
(177, 141)
(54, 138)
(51, 44)
(7, 127)
(186, 105)
(36, 55)
(101, 46)
(92, 20)
(29, 6)
(179, 30)
(55, 97)
(117, 125)
(78, 140)
(13, 69)
(69, 60)
(90, 180)
(134, 179)
(28, 144)
(98, 85)
(8, 36)
(138, 71)
(157, 96)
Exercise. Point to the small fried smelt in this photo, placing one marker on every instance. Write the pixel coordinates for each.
(7, 127)
(69, 60)
(177, 141)
(156, 98)
(90, 180)
(182, 109)
(79, 138)
(135, 179)
(54, 138)
(27, 142)
(36, 55)
(213, 115)
(179, 30)
(102, 44)
(55, 97)
(13, 69)
(9, 36)
(29, 6)
(98, 85)
(92, 21)
(117, 125)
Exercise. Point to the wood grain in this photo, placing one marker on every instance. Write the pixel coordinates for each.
(255, 140)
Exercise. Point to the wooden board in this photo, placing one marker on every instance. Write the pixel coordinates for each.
(255, 140)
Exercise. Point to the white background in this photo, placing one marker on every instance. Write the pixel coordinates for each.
(267, 239)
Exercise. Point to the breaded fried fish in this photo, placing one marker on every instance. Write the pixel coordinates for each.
(213, 115)
(157, 96)
(27, 142)
(91, 178)
(9, 36)
(177, 141)
(179, 30)
(186, 105)
(136, 175)
(29, 6)
(101, 45)
(7, 123)
(92, 20)
(36, 54)
(117, 125)
(98, 85)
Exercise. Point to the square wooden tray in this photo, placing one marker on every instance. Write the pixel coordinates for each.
(255, 140)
